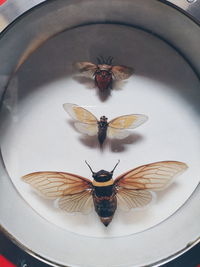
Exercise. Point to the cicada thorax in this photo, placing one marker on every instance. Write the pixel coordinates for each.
(102, 129)
(103, 77)
(104, 196)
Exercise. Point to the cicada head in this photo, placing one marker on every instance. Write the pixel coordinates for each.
(103, 122)
(103, 119)
(102, 175)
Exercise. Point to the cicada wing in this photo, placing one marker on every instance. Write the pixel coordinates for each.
(80, 202)
(122, 72)
(57, 184)
(86, 69)
(80, 114)
(117, 133)
(89, 129)
(128, 121)
(155, 176)
(130, 199)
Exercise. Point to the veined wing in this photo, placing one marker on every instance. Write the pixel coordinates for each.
(74, 192)
(86, 69)
(57, 184)
(128, 121)
(90, 129)
(80, 202)
(130, 199)
(80, 114)
(122, 72)
(116, 126)
(117, 133)
(155, 176)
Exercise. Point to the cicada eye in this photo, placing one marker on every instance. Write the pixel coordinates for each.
(98, 71)
(103, 118)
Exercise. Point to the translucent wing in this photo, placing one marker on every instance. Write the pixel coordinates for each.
(128, 121)
(87, 69)
(81, 202)
(116, 126)
(90, 129)
(57, 184)
(121, 72)
(117, 133)
(80, 114)
(129, 199)
(155, 176)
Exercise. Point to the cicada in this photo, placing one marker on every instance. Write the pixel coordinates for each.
(133, 189)
(88, 124)
(104, 72)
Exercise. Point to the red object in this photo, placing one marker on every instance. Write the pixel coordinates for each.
(2, 2)
(103, 79)
(5, 263)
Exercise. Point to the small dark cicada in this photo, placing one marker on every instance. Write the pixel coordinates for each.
(87, 123)
(104, 72)
(133, 189)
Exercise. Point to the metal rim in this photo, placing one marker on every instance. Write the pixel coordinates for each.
(54, 264)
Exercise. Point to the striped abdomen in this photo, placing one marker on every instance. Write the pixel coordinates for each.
(105, 203)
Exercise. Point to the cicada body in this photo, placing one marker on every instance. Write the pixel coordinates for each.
(104, 195)
(130, 190)
(104, 73)
(87, 123)
(103, 77)
(102, 129)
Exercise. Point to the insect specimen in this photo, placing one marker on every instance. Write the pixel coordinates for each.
(104, 72)
(87, 123)
(129, 190)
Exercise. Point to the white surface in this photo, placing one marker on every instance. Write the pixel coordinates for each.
(39, 136)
